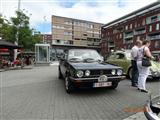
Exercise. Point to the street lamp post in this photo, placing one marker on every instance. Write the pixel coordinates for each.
(44, 29)
(17, 34)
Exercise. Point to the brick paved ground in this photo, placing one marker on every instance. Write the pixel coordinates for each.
(37, 94)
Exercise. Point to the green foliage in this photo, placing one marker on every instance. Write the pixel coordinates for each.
(18, 28)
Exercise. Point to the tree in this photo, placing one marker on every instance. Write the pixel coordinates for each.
(5, 29)
(20, 25)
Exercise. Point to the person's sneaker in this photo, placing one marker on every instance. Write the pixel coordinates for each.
(146, 91)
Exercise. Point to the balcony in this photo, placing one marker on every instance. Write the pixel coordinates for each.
(96, 43)
(154, 37)
(140, 32)
(111, 44)
(128, 35)
(128, 41)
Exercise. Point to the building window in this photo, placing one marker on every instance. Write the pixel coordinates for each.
(58, 41)
(126, 27)
(120, 36)
(90, 26)
(67, 33)
(150, 28)
(157, 44)
(154, 19)
(157, 26)
(102, 35)
(135, 24)
(130, 26)
(143, 22)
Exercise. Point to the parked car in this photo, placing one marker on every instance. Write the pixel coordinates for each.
(152, 109)
(123, 59)
(84, 68)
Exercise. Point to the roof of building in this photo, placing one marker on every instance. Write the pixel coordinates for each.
(5, 44)
(157, 3)
(78, 19)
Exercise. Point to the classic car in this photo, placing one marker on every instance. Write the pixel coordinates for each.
(84, 68)
(123, 59)
(152, 108)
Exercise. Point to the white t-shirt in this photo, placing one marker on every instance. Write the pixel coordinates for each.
(141, 52)
(134, 53)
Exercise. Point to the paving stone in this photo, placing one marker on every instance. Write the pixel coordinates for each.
(38, 94)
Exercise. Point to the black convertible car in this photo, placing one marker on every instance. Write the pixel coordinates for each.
(84, 68)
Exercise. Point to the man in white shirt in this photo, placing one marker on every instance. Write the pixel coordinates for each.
(134, 54)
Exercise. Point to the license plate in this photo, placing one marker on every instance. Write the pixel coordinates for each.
(102, 84)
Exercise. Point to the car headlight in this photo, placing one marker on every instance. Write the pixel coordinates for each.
(87, 73)
(80, 73)
(113, 72)
(119, 72)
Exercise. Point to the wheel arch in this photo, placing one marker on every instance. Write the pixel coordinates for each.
(129, 68)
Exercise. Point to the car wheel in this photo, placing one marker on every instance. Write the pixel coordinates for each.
(114, 85)
(59, 73)
(68, 85)
(130, 73)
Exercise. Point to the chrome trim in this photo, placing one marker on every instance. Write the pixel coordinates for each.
(114, 77)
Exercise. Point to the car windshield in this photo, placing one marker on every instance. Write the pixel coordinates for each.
(128, 55)
(84, 55)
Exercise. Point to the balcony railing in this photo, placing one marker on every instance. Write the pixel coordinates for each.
(154, 37)
(140, 32)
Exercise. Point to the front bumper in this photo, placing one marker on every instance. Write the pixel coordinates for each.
(88, 82)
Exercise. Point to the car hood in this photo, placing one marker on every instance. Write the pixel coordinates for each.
(155, 66)
(94, 65)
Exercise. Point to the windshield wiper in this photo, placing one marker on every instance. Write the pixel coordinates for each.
(89, 60)
(75, 60)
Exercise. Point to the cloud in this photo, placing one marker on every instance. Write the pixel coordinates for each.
(101, 11)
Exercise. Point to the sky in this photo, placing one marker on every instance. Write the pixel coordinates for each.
(40, 11)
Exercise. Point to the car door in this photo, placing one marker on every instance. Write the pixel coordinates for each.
(64, 64)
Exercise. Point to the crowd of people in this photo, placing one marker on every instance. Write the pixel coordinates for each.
(140, 72)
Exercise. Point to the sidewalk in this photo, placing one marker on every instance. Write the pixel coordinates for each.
(54, 63)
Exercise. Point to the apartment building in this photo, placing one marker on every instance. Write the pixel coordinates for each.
(140, 24)
(47, 38)
(74, 32)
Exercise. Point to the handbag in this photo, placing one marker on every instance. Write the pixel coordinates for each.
(146, 60)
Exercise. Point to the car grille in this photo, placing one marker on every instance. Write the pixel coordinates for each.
(100, 72)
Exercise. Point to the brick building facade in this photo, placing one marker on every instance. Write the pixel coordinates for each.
(140, 24)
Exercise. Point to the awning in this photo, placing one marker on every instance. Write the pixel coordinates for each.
(8, 45)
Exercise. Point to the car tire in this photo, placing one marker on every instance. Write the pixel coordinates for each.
(114, 85)
(130, 73)
(68, 85)
(59, 73)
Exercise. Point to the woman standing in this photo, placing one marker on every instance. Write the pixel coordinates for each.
(143, 71)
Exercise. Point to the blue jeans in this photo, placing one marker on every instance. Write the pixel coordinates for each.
(135, 72)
